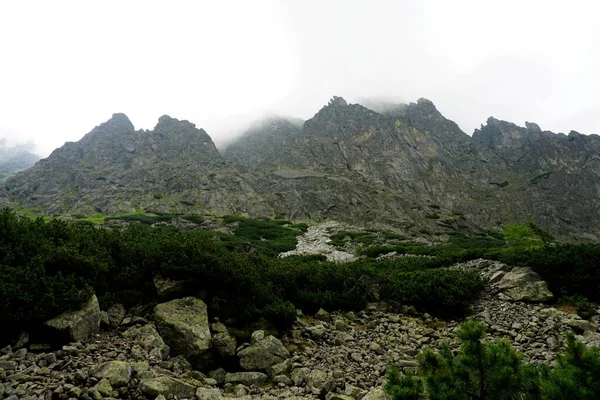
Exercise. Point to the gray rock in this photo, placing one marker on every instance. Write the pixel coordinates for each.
(323, 315)
(257, 336)
(183, 324)
(523, 284)
(167, 386)
(246, 378)
(263, 354)
(225, 344)
(376, 394)
(115, 313)
(208, 394)
(149, 339)
(118, 373)
(81, 324)
(320, 381)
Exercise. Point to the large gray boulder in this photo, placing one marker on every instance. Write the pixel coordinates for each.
(523, 284)
(377, 394)
(79, 325)
(149, 340)
(183, 324)
(263, 354)
(115, 314)
(246, 378)
(225, 344)
(118, 373)
(168, 387)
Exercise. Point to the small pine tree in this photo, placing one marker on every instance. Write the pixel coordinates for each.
(403, 386)
(576, 375)
(480, 370)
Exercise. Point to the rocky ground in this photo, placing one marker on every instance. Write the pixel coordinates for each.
(331, 355)
(316, 241)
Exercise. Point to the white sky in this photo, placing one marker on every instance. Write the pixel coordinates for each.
(66, 66)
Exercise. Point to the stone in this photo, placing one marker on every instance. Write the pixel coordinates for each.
(208, 394)
(225, 344)
(298, 375)
(81, 324)
(580, 325)
(320, 381)
(246, 378)
(115, 313)
(149, 339)
(118, 373)
(104, 388)
(263, 354)
(218, 375)
(341, 325)
(183, 324)
(282, 379)
(167, 386)
(283, 368)
(257, 336)
(168, 289)
(377, 394)
(523, 284)
(323, 315)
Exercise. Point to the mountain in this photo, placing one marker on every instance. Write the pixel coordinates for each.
(405, 167)
(14, 159)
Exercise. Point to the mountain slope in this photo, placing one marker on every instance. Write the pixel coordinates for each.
(406, 168)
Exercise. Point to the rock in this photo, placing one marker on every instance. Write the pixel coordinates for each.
(208, 394)
(283, 368)
(298, 375)
(323, 315)
(335, 396)
(167, 386)
(523, 284)
(376, 394)
(168, 289)
(149, 339)
(118, 373)
(115, 313)
(263, 354)
(81, 324)
(246, 378)
(282, 379)
(320, 382)
(497, 277)
(218, 375)
(225, 344)
(341, 325)
(580, 325)
(183, 324)
(257, 336)
(104, 388)
(317, 331)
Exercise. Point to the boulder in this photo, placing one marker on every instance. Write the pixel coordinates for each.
(183, 324)
(580, 325)
(168, 387)
(523, 284)
(168, 289)
(323, 315)
(118, 373)
(377, 394)
(263, 354)
(81, 324)
(115, 313)
(257, 336)
(246, 378)
(149, 339)
(208, 394)
(225, 344)
(320, 382)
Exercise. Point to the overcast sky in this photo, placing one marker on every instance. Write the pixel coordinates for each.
(66, 66)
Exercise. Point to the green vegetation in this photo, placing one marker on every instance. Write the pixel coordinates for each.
(486, 370)
(47, 267)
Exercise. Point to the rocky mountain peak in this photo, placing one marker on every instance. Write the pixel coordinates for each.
(498, 134)
(337, 101)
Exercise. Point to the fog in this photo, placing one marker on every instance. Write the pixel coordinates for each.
(67, 66)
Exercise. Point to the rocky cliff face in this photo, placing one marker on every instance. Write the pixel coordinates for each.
(116, 169)
(406, 167)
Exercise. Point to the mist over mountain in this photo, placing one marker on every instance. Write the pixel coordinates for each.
(400, 166)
